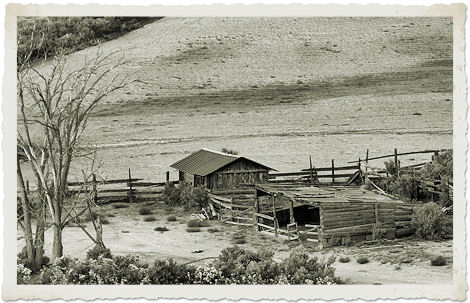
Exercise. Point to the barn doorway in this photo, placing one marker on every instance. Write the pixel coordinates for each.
(303, 214)
(307, 214)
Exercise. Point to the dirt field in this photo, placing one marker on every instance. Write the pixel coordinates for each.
(394, 262)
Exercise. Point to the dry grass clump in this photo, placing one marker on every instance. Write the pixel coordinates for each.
(161, 228)
(193, 229)
(150, 219)
(344, 259)
(120, 205)
(238, 238)
(172, 218)
(438, 261)
(362, 260)
(213, 230)
(104, 221)
(197, 223)
(144, 211)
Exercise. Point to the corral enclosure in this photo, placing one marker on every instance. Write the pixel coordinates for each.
(336, 215)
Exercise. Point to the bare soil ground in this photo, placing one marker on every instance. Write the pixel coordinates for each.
(395, 262)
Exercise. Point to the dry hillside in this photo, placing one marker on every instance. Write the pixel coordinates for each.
(271, 59)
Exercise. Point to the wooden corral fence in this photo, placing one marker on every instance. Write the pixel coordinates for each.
(119, 190)
(340, 175)
(233, 206)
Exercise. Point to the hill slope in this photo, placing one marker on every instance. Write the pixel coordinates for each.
(269, 60)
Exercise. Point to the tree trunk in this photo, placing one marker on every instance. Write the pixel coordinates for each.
(40, 228)
(25, 205)
(57, 249)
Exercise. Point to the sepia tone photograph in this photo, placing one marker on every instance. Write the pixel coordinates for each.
(164, 150)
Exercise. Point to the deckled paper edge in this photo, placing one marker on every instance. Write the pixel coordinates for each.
(455, 291)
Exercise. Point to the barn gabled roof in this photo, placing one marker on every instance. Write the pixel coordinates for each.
(206, 161)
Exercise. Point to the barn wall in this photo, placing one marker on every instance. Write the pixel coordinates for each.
(355, 221)
(240, 171)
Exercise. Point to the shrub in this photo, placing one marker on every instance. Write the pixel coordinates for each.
(161, 228)
(239, 238)
(171, 195)
(404, 186)
(213, 230)
(185, 195)
(379, 232)
(169, 272)
(144, 211)
(104, 221)
(197, 223)
(199, 198)
(193, 229)
(23, 274)
(56, 273)
(344, 259)
(300, 268)
(150, 219)
(117, 270)
(98, 251)
(228, 151)
(171, 218)
(362, 260)
(22, 258)
(120, 205)
(241, 266)
(90, 216)
(428, 220)
(438, 261)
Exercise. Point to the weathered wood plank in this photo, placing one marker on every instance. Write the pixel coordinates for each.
(264, 216)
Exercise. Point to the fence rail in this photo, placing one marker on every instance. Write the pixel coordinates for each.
(129, 190)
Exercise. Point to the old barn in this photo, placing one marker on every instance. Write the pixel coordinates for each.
(217, 170)
(330, 215)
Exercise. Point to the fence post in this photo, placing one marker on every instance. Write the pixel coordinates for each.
(395, 154)
(436, 154)
(95, 191)
(256, 219)
(398, 168)
(231, 207)
(27, 187)
(167, 177)
(376, 212)
(311, 169)
(274, 215)
(333, 170)
(367, 159)
(131, 194)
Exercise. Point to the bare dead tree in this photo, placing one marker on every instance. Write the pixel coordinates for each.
(54, 104)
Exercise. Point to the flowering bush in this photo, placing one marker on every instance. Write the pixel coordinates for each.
(234, 266)
(169, 272)
(23, 274)
(208, 275)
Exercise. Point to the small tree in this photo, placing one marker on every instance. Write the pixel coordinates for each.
(54, 104)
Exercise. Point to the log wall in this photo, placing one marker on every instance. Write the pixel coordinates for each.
(345, 222)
